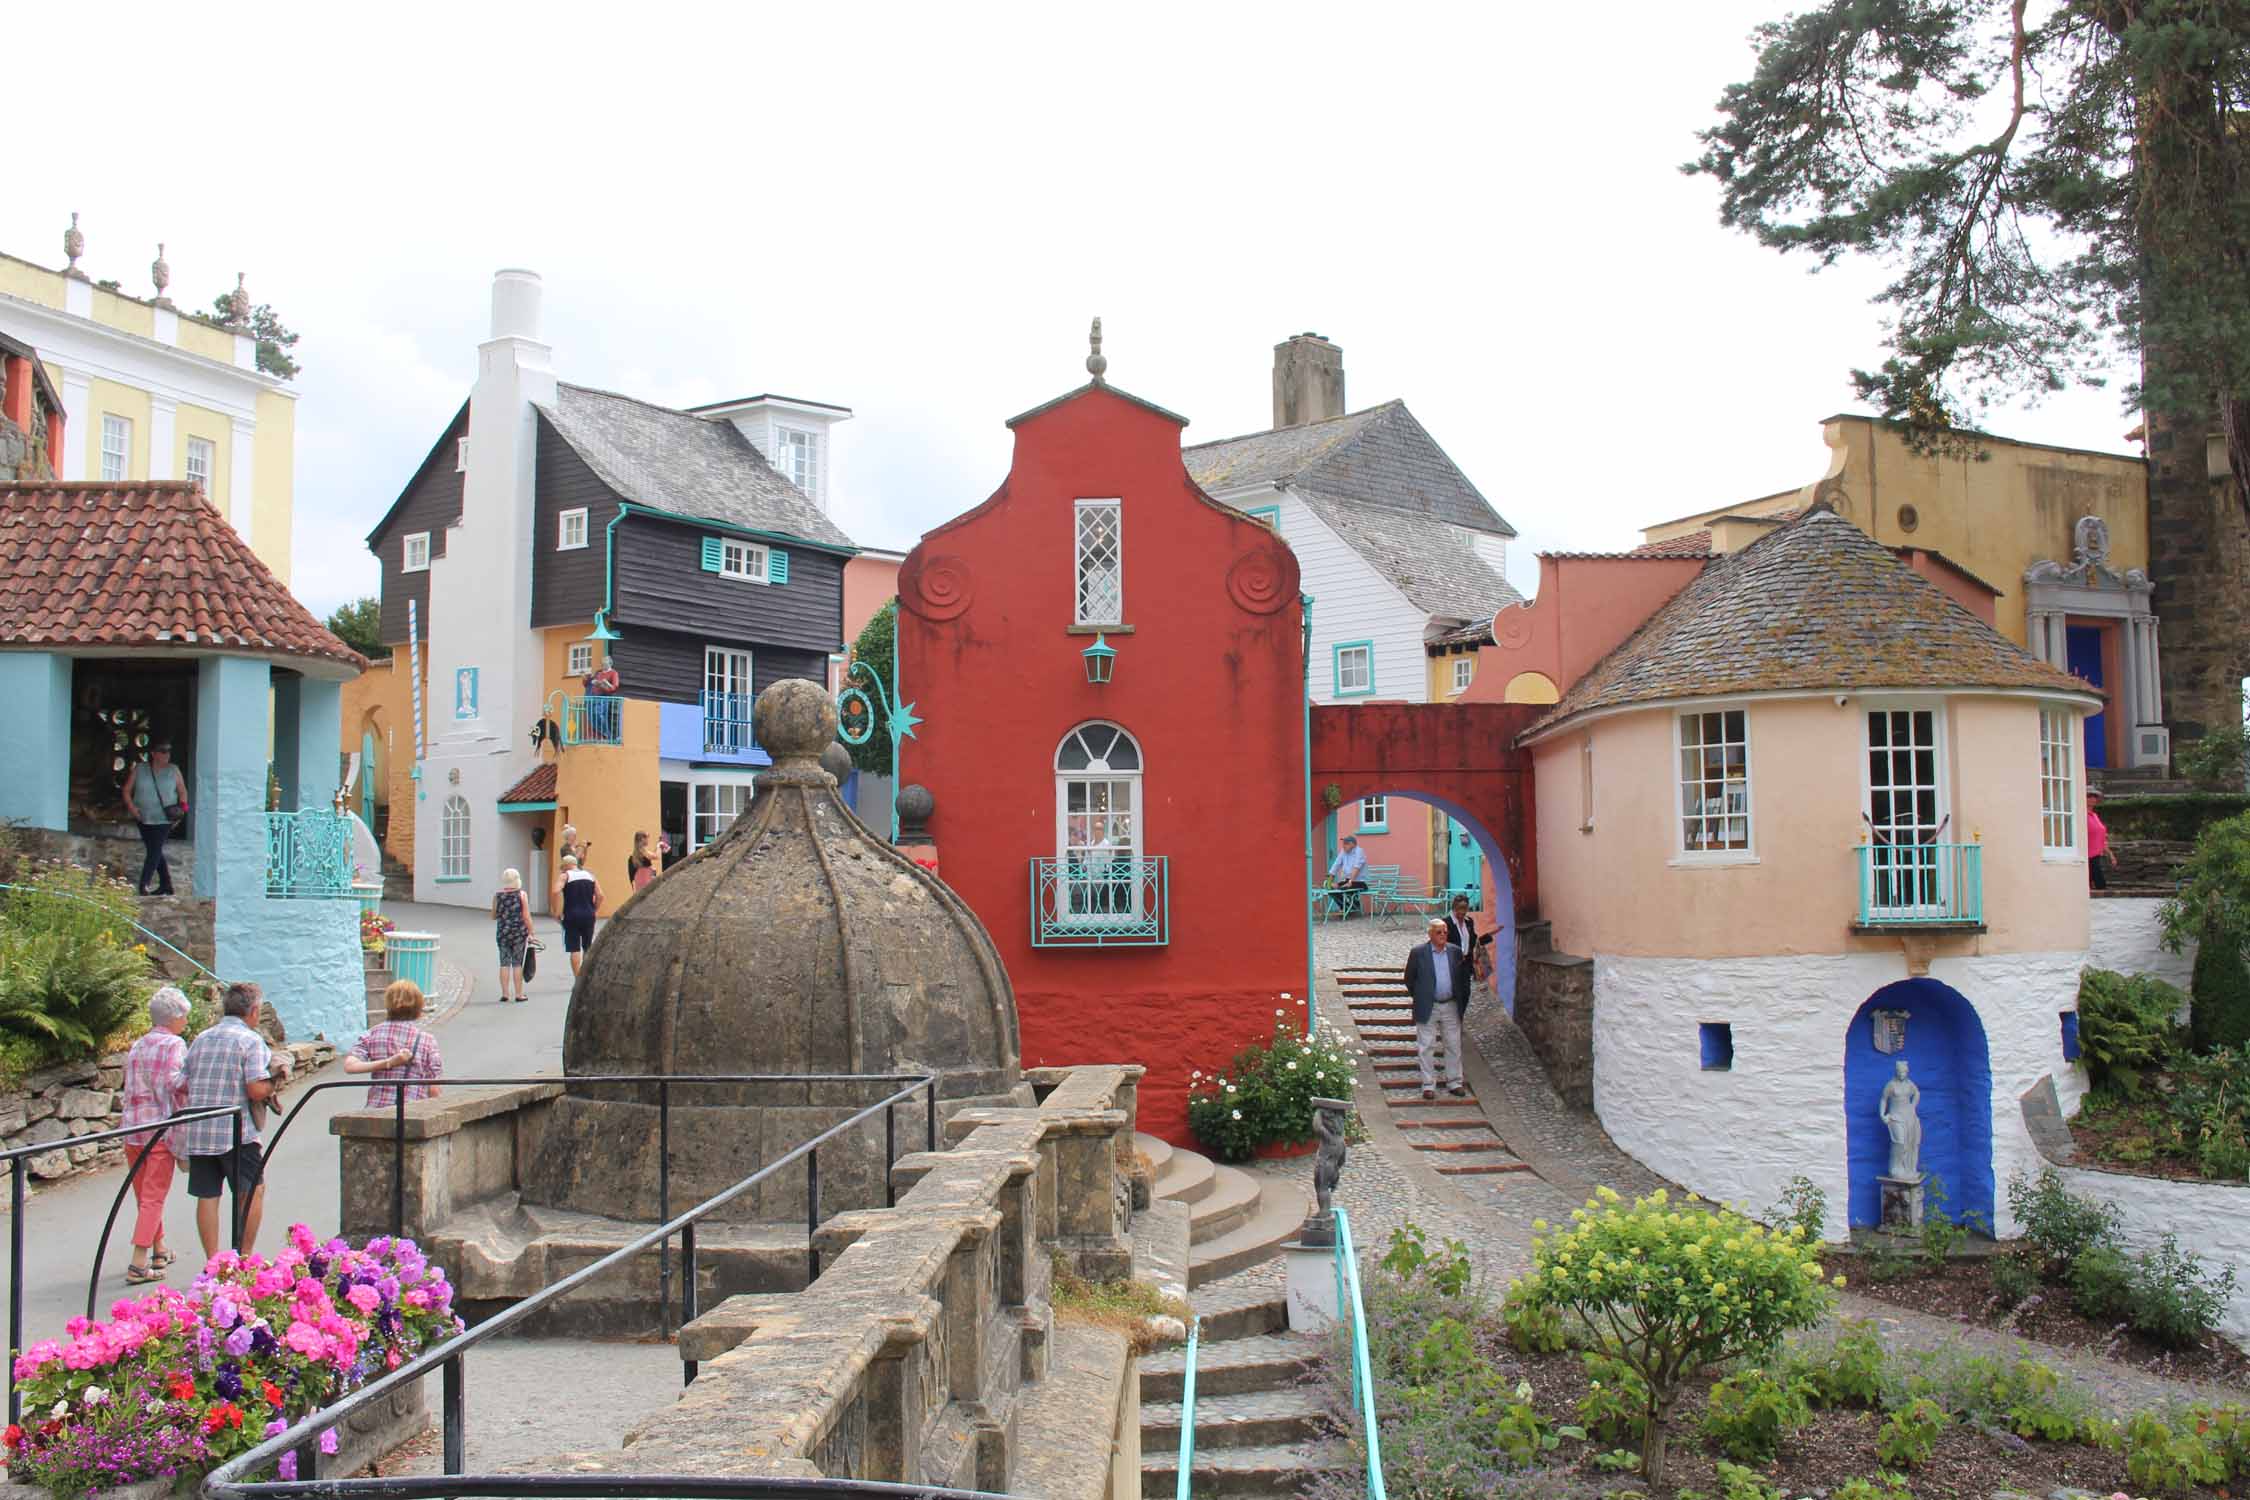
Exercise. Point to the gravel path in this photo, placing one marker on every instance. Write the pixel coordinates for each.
(1388, 1183)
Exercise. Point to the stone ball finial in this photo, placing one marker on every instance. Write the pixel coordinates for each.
(1097, 364)
(238, 301)
(74, 245)
(915, 804)
(836, 761)
(160, 271)
(794, 720)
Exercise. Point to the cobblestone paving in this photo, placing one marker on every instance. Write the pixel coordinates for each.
(1388, 1183)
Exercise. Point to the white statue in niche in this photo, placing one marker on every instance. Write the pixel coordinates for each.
(1901, 1097)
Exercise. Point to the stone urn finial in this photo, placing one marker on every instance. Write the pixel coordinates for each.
(160, 272)
(238, 302)
(74, 245)
(1097, 364)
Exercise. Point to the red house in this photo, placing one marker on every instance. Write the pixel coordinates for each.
(1130, 826)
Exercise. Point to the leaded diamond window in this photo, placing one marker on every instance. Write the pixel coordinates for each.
(1101, 563)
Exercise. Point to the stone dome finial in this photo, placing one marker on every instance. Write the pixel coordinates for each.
(160, 272)
(73, 246)
(794, 721)
(1097, 363)
(238, 302)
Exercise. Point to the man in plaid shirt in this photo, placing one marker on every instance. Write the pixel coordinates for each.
(229, 1065)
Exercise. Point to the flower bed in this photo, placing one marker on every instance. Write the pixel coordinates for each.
(177, 1383)
(1263, 1098)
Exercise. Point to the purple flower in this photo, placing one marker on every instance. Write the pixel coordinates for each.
(239, 1341)
(230, 1382)
(328, 1441)
(276, 1428)
(288, 1465)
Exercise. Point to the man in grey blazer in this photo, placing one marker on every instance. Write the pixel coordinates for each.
(1437, 977)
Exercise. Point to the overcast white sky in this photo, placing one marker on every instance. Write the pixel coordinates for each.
(913, 211)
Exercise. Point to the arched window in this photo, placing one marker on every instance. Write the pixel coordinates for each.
(1098, 822)
(453, 838)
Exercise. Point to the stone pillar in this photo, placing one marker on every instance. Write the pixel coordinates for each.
(163, 436)
(69, 459)
(2035, 633)
(35, 738)
(233, 696)
(242, 469)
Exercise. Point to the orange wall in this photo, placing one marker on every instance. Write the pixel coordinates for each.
(1585, 606)
(608, 791)
(379, 700)
(868, 581)
(1625, 889)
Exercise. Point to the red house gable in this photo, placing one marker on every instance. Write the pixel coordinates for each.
(1146, 889)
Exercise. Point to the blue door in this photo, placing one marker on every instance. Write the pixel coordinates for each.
(367, 779)
(1948, 1061)
(2084, 643)
(1464, 863)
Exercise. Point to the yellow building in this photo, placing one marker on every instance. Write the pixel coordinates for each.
(2060, 535)
(150, 391)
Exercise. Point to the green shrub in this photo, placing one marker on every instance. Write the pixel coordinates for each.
(1265, 1094)
(2101, 1284)
(2015, 1277)
(1409, 1258)
(1694, 1284)
(2181, 817)
(1803, 1204)
(1739, 1483)
(2030, 1400)
(1881, 1487)
(1910, 1435)
(2169, 1296)
(1615, 1406)
(1847, 1369)
(2213, 762)
(1941, 1234)
(2212, 909)
(2127, 1027)
(2162, 1457)
(2058, 1224)
(2219, 991)
(2226, 1428)
(1751, 1412)
(1533, 1327)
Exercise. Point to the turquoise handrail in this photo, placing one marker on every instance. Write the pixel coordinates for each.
(1187, 1412)
(1921, 885)
(128, 921)
(1362, 1376)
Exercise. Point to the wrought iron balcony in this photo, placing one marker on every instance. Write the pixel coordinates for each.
(1115, 901)
(309, 854)
(593, 721)
(726, 723)
(1921, 885)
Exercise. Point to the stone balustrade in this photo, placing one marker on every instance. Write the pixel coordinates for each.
(462, 1148)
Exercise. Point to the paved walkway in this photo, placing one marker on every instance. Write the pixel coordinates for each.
(1389, 1181)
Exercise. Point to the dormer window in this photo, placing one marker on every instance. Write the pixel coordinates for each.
(797, 456)
(1101, 563)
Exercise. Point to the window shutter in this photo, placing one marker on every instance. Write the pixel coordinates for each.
(777, 566)
(714, 554)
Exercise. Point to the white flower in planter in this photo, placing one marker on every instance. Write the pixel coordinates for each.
(1238, 1114)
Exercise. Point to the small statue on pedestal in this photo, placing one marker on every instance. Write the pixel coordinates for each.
(1328, 1166)
(1902, 1184)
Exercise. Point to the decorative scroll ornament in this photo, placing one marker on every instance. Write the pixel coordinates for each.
(1511, 627)
(939, 587)
(1890, 1031)
(1263, 580)
(2089, 542)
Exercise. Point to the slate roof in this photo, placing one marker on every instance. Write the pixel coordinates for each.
(700, 467)
(539, 786)
(1380, 456)
(1813, 604)
(1432, 565)
(150, 565)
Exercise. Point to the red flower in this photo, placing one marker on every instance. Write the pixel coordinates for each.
(273, 1396)
(182, 1388)
(13, 1437)
(225, 1414)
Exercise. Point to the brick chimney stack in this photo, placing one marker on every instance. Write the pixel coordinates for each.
(1308, 380)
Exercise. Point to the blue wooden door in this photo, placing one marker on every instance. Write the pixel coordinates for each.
(367, 779)
(1464, 863)
(2084, 643)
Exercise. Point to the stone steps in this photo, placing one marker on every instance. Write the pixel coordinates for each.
(1244, 1419)
(1235, 1220)
(1258, 1362)
(1239, 1473)
(1258, 1424)
(1280, 1213)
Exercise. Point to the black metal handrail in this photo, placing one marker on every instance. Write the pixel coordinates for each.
(229, 1481)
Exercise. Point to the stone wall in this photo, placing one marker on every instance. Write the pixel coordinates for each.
(1555, 1012)
(2123, 934)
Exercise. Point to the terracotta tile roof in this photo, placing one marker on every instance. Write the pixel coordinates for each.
(1813, 604)
(149, 565)
(1688, 544)
(539, 786)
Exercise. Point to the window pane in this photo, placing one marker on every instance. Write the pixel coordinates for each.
(1073, 756)
(1124, 754)
(1734, 722)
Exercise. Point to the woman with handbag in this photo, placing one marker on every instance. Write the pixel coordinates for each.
(156, 798)
(511, 933)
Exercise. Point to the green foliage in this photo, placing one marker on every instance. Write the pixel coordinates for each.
(273, 336)
(1410, 1260)
(877, 646)
(1533, 1327)
(2219, 1010)
(1677, 1286)
(1909, 1436)
(2159, 1456)
(1803, 1204)
(1881, 1487)
(2030, 244)
(2126, 1027)
(2030, 1400)
(2015, 1278)
(1739, 1483)
(2172, 1299)
(2058, 1224)
(1265, 1094)
(2179, 816)
(1940, 1235)
(2215, 761)
(1751, 1412)
(2213, 903)
(73, 972)
(1844, 1369)
(359, 625)
(1617, 1461)
(2101, 1282)
(1615, 1406)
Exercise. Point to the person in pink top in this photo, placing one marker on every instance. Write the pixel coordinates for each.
(2097, 843)
(155, 1086)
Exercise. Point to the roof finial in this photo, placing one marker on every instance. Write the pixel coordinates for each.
(160, 272)
(238, 302)
(73, 245)
(1096, 365)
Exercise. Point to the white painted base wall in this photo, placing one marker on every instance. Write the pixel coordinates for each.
(1738, 1136)
(2124, 935)
(2211, 1218)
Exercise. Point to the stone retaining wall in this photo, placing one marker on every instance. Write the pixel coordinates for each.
(1555, 1012)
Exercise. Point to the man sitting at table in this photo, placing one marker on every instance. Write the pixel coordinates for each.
(1347, 873)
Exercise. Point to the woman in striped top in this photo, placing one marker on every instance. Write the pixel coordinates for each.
(155, 1086)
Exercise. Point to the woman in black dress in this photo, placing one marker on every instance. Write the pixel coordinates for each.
(511, 932)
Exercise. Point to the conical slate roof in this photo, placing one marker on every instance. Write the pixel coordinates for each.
(1817, 604)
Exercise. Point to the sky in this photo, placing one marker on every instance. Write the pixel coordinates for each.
(914, 211)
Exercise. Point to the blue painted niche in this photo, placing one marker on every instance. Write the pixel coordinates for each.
(1946, 1055)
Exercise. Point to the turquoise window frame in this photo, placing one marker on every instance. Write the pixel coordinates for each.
(1383, 826)
(1336, 668)
(1268, 513)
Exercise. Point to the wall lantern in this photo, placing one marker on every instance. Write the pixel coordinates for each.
(1101, 660)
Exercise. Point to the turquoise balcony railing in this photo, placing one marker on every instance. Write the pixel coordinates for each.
(1921, 885)
(593, 721)
(1116, 901)
(726, 723)
(309, 854)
